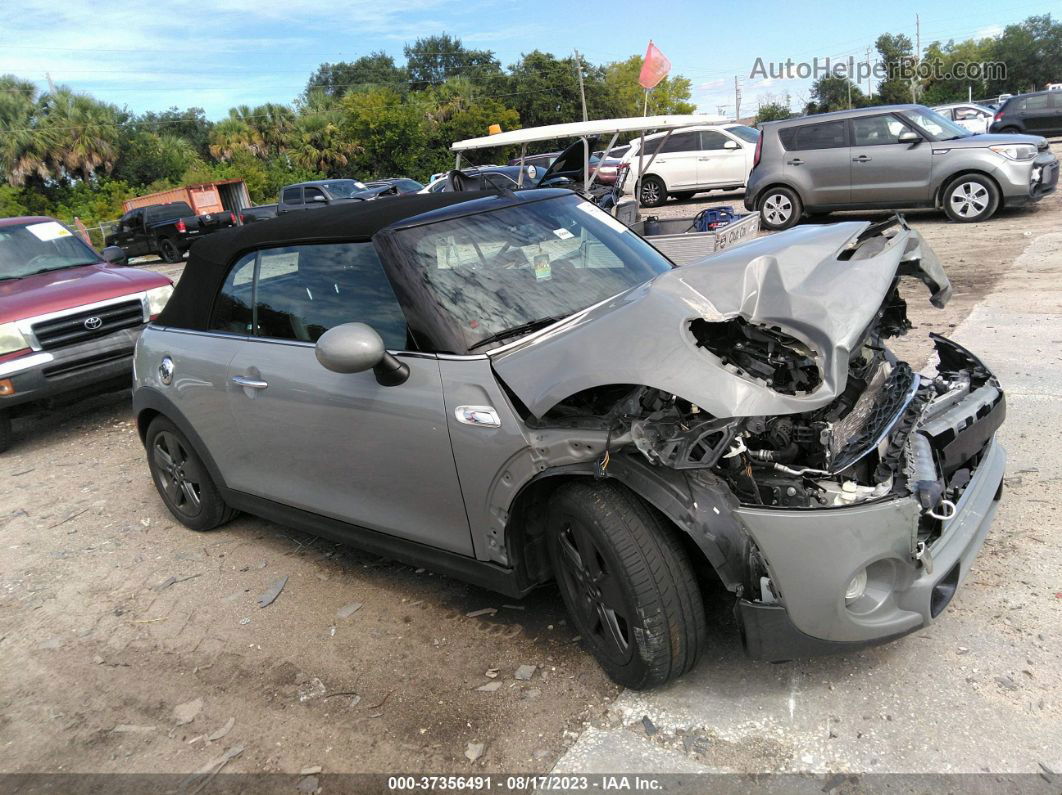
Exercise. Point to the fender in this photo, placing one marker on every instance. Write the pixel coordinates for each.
(148, 399)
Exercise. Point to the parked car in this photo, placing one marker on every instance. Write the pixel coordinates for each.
(542, 161)
(691, 160)
(69, 317)
(167, 230)
(250, 215)
(488, 178)
(324, 192)
(890, 157)
(513, 389)
(1034, 114)
(402, 185)
(975, 118)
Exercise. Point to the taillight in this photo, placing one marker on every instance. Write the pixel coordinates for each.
(180, 225)
(998, 116)
(233, 217)
(243, 218)
(756, 154)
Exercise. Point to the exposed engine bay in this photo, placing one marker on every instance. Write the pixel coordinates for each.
(881, 436)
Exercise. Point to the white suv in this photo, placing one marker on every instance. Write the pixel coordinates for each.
(693, 159)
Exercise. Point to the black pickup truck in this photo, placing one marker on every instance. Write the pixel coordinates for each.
(165, 229)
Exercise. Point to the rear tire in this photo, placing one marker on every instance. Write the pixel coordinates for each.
(168, 250)
(1010, 131)
(627, 583)
(182, 479)
(971, 198)
(780, 208)
(5, 430)
(652, 192)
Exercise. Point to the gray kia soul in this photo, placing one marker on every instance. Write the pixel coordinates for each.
(515, 388)
(891, 157)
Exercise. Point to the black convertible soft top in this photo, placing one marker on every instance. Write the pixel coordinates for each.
(209, 260)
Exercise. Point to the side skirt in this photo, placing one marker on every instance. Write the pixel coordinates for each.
(477, 572)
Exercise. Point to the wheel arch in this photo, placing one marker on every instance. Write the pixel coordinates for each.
(714, 543)
(948, 181)
(778, 183)
(149, 403)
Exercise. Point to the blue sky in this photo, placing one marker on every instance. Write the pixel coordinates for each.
(151, 54)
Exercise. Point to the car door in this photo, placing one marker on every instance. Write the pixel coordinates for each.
(1038, 114)
(123, 233)
(721, 161)
(677, 162)
(884, 170)
(1054, 119)
(341, 445)
(817, 162)
(290, 200)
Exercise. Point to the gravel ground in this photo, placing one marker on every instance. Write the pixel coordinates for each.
(128, 643)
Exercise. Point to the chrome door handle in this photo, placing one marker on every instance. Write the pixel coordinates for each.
(250, 383)
(862, 159)
(796, 161)
(704, 159)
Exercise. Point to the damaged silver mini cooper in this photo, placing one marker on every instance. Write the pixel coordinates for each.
(513, 389)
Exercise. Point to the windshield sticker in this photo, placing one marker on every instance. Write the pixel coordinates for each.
(601, 215)
(563, 233)
(542, 269)
(49, 230)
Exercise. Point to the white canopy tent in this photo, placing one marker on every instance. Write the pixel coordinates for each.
(585, 130)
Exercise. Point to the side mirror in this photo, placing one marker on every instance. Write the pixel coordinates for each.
(909, 137)
(355, 348)
(113, 255)
(320, 199)
(731, 145)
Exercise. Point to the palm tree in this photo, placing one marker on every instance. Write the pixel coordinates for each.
(24, 144)
(236, 133)
(317, 144)
(82, 133)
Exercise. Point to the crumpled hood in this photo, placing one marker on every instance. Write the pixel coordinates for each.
(799, 281)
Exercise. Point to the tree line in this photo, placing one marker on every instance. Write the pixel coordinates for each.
(67, 154)
(1030, 50)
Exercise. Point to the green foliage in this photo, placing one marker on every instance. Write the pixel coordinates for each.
(432, 60)
(833, 93)
(627, 97)
(148, 159)
(389, 131)
(11, 202)
(774, 111)
(894, 52)
(375, 70)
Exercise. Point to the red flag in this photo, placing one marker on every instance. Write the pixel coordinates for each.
(654, 68)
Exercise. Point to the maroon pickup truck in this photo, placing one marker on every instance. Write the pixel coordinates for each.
(69, 318)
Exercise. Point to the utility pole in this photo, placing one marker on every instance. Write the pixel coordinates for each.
(869, 91)
(582, 93)
(918, 58)
(737, 97)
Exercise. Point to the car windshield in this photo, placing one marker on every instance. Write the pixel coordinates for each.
(26, 249)
(483, 279)
(750, 134)
(343, 188)
(936, 125)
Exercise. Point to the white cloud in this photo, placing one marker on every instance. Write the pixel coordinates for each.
(712, 85)
(988, 31)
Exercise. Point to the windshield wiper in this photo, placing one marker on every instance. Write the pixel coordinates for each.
(49, 270)
(515, 331)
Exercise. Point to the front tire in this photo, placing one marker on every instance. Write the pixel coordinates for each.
(168, 250)
(182, 479)
(628, 585)
(5, 430)
(971, 198)
(779, 208)
(652, 192)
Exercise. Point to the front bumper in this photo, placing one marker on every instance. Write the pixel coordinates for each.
(96, 363)
(812, 555)
(1023, 183)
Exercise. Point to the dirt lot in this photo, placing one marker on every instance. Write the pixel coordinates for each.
(127, 642)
